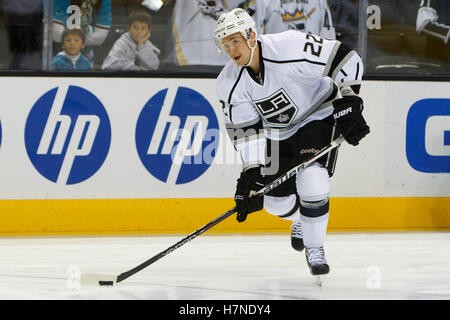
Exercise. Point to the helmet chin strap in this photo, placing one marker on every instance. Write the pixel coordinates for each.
(252, 51)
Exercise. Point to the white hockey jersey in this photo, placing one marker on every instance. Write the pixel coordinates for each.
(310, 16)
(273, 16)
(192, 34)
(194, 20)
(298, 74)
(264, 12)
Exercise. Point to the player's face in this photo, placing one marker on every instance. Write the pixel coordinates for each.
(73, 44)
(236, 48)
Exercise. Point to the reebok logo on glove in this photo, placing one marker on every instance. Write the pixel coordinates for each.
(342, 113)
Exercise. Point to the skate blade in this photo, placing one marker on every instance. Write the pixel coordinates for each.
(319, 280)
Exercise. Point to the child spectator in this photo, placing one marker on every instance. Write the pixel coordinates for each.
(133, 50)
(73, 41)
(95, 20)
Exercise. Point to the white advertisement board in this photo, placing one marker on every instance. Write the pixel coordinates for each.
(91, 138)
(69, 138)
(407, 153)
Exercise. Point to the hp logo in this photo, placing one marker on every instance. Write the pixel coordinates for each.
(67, 135)
(428, 135)
(177, 135)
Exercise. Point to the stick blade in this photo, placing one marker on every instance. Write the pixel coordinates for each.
(97, 279)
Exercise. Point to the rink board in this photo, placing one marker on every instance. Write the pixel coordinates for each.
(183, 216)
(87, 156)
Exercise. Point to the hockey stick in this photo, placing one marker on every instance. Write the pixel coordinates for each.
(108, 280)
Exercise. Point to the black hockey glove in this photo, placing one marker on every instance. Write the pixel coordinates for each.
(250, 180)
(349, 118)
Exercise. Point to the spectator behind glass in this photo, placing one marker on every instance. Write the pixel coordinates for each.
(429, 22)
(192, 44)
(191, 40)
(71, 58)
(273, 16)
(95, 21)
(264, 12)
(433, 21)
(24, 30)
(133, 50)
(311, 16)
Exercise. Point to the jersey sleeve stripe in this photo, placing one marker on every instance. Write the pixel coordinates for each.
(294, 61)
(330, 59)
(341, 53)
(357, 71)
(334, 73)
(239, 136)
(242, 125)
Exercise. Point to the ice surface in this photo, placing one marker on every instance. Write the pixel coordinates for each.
(228, 267)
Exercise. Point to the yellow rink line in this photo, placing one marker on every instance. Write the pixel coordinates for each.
(183, 216)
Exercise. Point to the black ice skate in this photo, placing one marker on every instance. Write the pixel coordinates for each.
(297, 236)
(315, 257)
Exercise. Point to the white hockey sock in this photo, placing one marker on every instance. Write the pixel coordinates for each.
(314, 230)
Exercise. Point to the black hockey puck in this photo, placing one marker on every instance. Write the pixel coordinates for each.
(106, 283)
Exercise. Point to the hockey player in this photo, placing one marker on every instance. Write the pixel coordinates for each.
(286, 85)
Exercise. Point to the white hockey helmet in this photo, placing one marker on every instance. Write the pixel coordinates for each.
(237, 20)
